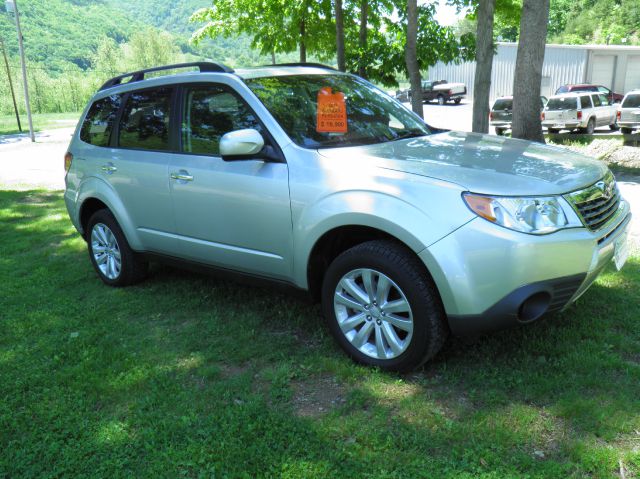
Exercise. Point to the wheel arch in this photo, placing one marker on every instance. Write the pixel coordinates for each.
(95, 195)
(337, 240)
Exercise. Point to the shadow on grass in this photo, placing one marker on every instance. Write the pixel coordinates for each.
(185, 375)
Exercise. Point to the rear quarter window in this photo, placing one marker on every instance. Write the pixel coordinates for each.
(97, 125)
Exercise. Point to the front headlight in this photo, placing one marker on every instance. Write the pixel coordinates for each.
(531, 215)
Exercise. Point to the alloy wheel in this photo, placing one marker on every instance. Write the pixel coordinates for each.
(106, 251)
(373, 313)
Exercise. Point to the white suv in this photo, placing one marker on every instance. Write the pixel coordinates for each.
(579, 111)
(629, 113)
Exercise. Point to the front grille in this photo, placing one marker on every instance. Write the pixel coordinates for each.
(597, 203)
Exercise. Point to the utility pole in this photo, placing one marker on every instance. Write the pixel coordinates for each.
(13, 95)
(12, 5)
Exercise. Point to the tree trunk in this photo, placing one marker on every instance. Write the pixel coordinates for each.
(484, 64)
(528, 75)
(273, 57)
(362, 67)
(340, 35)
(411, 57)
(303, 45)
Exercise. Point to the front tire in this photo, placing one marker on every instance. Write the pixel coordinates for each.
(382, 307)
(112, 257)
(457, 101)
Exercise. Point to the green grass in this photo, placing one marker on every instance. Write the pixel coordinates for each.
(189, 376)
(41, 121)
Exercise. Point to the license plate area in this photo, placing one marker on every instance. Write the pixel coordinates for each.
(620, 251)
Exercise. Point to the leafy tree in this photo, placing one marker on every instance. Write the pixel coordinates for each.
(279, 27)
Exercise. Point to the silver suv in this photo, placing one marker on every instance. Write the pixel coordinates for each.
(315, 178)
(579, 111)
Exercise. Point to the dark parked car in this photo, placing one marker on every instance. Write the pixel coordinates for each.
(612, 96)
(502, 113)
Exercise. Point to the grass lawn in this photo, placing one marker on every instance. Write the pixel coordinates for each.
(41, 121)
(190, 376)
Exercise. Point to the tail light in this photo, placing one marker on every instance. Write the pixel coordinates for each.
(490, 115)
(542, 116)
(579, 115)
(619, 114)
(68, 158)
(450, 92)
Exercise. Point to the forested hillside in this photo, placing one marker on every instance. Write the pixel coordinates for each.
(72, 46)
(595, 21)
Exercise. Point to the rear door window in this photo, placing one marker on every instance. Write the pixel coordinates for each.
(585, 102)
(145, 120)
(210, 112)
(97, 125)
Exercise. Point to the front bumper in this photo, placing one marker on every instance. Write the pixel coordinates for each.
(486, 274)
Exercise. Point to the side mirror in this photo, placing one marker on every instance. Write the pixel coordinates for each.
(241, 144)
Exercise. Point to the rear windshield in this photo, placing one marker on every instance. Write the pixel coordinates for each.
(632, 101)
(565, 103)
(503, 104)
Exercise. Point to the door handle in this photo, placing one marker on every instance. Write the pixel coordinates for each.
(181, 176)
(109, 168)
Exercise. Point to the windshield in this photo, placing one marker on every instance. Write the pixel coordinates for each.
(320, 111)
(562, 103)
(632, 101)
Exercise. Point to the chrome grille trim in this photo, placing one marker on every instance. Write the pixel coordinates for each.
(598, 203)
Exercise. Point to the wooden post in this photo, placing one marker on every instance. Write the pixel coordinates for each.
(13, 95)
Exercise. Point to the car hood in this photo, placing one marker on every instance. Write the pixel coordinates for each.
(482, 163)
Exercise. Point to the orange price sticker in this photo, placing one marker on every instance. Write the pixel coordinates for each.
(332, 112)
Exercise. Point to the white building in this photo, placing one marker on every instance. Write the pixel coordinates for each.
(614, 66)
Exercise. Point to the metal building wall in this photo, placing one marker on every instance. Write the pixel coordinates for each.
(562, 64)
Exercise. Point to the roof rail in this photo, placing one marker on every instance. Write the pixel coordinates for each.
(205, 67)
(302, 64)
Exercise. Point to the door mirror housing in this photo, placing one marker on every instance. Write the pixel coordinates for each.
(241, 143)
(248, 144)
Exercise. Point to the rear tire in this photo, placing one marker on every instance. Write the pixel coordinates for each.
(112, 257)
(382, 307)
(591, 125)
(457, 101)
(441, 100)
(626, 131)
(553, 131)
(500, 131)
(614, 126)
